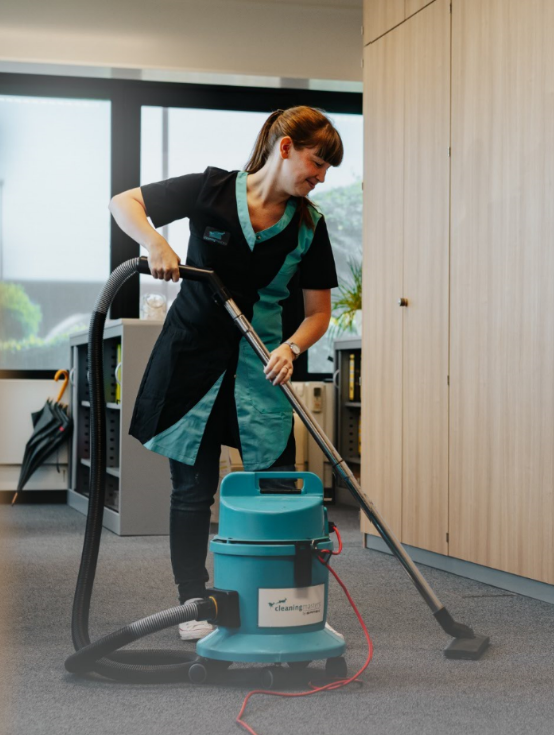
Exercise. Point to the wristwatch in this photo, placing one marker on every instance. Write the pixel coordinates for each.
(294, 348)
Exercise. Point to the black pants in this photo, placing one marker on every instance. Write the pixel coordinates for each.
(194, 488)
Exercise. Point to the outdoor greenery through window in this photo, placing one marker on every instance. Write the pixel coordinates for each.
(54, 224)
(180, 141)
(340, 200)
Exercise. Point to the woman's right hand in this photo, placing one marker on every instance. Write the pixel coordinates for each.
(129, 211)
(164, 262)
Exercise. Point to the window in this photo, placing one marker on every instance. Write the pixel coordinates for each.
(67, 144)
(54, 224)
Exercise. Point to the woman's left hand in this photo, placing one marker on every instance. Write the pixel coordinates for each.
(279, 368)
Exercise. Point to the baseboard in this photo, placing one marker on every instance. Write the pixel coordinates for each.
(493, 577)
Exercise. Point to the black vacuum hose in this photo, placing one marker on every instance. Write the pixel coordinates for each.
(134, 666)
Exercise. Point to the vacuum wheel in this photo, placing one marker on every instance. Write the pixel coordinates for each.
(336, 668)
(198, 673)
(206, 669)
(273, 678)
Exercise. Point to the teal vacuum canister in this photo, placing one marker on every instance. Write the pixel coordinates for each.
(266, 550)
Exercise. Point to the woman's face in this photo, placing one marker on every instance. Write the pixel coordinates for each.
(302, 169)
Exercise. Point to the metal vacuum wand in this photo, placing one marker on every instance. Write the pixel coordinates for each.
(466, 643)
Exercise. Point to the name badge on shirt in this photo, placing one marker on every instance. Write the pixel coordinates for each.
(212, 234)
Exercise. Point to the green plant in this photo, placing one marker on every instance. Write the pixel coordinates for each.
(35, 352)
(19, 317)
(31, 343)
(349, 300)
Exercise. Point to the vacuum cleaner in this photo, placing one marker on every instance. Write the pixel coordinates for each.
(269, 600)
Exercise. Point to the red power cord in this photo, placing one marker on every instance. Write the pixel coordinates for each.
(334, 684)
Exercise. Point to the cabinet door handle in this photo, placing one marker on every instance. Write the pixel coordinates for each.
(402, 302)
(336, 379)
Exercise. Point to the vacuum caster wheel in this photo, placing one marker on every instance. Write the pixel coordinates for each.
(336, 668)
(273, 678)
(198, 673)
(298, 665)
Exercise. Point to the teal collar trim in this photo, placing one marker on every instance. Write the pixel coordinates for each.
(244, 217)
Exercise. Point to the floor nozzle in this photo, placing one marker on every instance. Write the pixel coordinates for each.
(470, 649)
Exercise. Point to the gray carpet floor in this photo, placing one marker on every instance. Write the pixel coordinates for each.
(408, 688)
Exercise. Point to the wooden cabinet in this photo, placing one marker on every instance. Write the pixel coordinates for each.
(406, 189)
(467, 240)
(405, 392)
(411, 7)
(383, 248)
(425, 276)
(502, 298)
(381, 16)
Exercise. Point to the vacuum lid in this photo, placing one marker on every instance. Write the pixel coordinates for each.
(248, 513)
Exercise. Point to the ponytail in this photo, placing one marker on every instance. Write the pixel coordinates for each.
(263, 145)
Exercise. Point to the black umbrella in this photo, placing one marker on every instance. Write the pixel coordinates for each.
(51, 427)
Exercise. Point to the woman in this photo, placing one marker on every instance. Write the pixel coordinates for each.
(204, 386)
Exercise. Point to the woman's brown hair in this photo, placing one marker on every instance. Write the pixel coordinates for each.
(307, 127)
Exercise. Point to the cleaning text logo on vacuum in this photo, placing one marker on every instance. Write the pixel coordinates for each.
(283, 608)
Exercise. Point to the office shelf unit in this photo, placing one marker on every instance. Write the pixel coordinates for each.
(347, 378)
(319, 397)
(137, 481)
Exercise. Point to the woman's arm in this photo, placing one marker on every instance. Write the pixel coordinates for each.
(317, 309)
(129, 211)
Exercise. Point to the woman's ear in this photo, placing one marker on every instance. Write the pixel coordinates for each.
(285, 146)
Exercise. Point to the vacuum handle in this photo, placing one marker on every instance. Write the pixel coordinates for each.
(248, 483)
(190, 273)
(311, 483)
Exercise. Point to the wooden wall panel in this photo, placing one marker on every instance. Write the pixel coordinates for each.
(413, 6)
(380, 16)
(381, 469)
(426, 270)
(502, 294)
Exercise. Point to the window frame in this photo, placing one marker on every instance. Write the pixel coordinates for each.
(127, 97)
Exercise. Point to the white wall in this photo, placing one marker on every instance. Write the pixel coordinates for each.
(297, 39)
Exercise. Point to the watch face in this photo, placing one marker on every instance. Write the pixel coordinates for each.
(294, 348)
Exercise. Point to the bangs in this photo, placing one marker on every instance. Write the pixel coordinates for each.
(329, 146)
